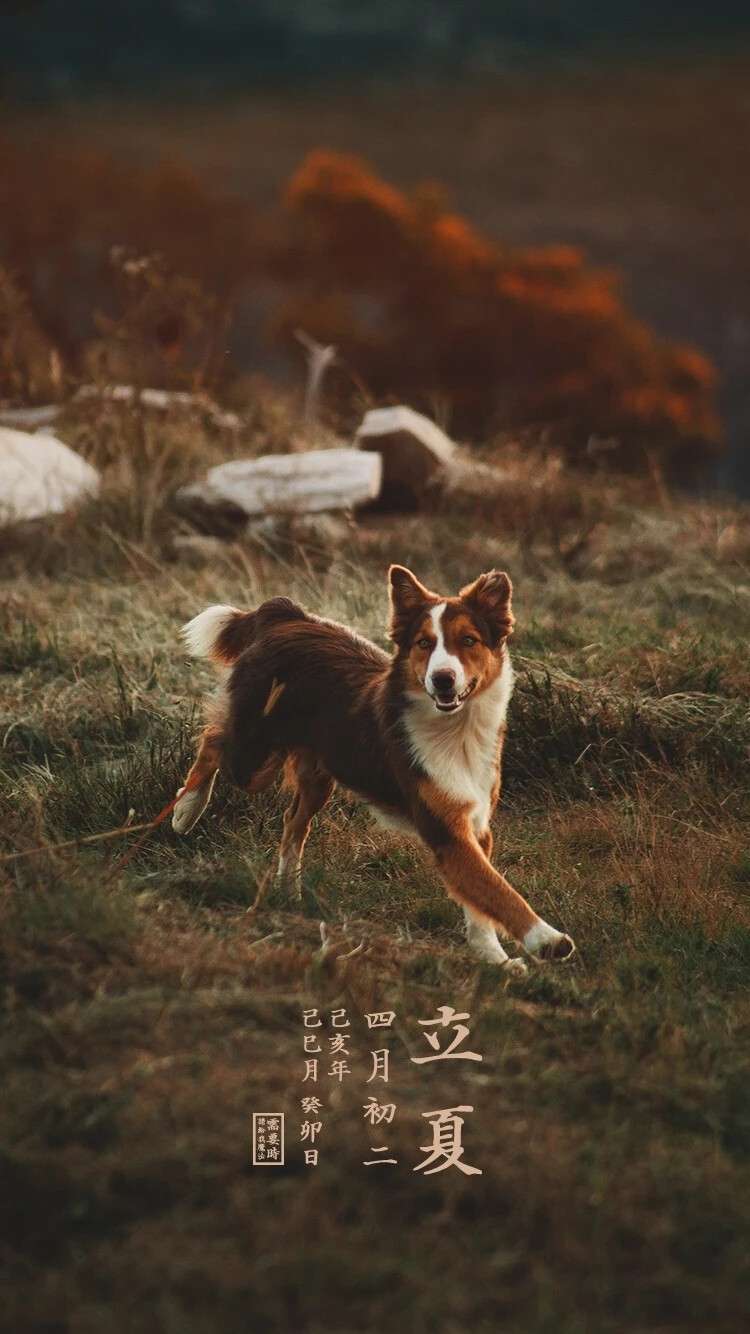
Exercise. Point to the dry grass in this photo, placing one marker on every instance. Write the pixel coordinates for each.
(146, 1017)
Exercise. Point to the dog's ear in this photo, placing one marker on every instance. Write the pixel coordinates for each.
(490, 596)
(407, 596)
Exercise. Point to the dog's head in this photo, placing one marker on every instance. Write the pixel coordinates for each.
(450, 648)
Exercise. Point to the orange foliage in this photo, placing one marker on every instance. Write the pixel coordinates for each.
(422, 307)
(29, 367)
(64, 207)
(426, 309)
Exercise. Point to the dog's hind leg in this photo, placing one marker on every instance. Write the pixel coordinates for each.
(247, 764)
(312, 788)
(199, 784)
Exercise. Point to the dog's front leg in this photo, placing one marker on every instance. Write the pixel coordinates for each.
(481, 933)
(487, 897)
(481, 936)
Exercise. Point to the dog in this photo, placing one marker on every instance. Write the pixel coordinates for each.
(418, 734)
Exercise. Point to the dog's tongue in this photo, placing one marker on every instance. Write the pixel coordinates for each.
(447, 702)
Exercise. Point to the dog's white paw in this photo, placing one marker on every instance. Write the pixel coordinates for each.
(558, 949)
(547, 943)
(514, 967)
(190, 807)
(182, 814)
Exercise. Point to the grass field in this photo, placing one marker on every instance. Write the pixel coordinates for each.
(148, 1013)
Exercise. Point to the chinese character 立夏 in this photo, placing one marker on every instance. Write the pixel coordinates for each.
(446, 1142)
(380, 1018)
(379, 1065)
(376, 1112)
(448, 1016)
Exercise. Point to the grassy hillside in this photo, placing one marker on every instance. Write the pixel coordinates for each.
(148, 1013)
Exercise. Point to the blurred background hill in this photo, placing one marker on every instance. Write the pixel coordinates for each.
(54, 48)
(622, 132)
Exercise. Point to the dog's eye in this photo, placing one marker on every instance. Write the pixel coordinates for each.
(424, 643)
(469, 641)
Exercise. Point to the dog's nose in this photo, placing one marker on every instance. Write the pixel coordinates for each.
(444, 682)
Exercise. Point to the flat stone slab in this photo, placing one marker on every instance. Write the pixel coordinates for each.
(309, 483)
(39, 475)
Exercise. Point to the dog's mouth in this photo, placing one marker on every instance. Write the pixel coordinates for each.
(448, 703)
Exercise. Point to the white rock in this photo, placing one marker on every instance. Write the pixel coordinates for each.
(40, 475)
(29, 419)
(161, 400)
(324, 479)
(389, 421)
(412, 446)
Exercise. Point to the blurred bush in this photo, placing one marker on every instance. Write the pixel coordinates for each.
(167, 329)
(30, 367)
(429, 311)
(422, 307)
(67, 211)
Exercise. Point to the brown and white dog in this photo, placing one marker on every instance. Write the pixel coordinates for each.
(418, 735)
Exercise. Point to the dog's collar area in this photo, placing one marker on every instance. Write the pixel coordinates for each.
(449, 703)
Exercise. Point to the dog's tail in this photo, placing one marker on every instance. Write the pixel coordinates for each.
(223, 633)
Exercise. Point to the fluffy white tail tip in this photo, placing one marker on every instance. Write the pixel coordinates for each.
(200, 634)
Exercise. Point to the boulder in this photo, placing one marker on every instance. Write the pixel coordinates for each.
(39, 475)
(311, 483)
(413, 448)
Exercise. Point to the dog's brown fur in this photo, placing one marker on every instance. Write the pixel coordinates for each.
(315, 699)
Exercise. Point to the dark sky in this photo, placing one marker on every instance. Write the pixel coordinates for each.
(63, 48)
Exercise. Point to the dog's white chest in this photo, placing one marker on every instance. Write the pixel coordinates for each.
(460, 752)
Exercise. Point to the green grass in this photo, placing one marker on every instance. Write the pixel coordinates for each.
(147, 1014)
